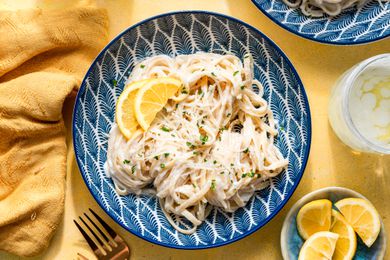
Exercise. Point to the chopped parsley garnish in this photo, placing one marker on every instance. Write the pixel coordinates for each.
(200, 91)
(222, 173)
(243, 175)
(190, 145)
(229, 114)
(165, 129)
(203, 138)
(282, 128)
(133, 169)
(184, 91)
(195, 152)
(162, 166)
(222, 129)
(242, 87)
(215, 162)
(126, 161)
(246, 150)
(156, 157)
(213, 74)
(205, 160)
(114, 82)
(213, 185)
(232, 164)
(251, 174)
(194, 185)
(166, 155)
(235, 73)
(258, 175)
(142, 66)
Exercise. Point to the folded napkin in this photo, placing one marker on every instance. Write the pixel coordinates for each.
(43, 56)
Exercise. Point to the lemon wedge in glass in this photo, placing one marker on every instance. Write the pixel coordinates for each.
(363, 218)
(319, 246)
(314, 217)
(346, 244)
(124, 114)
(152, 97)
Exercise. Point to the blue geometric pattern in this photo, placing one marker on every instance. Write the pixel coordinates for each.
(353, 26)
(185, 33)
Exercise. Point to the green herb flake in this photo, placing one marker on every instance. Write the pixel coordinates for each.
(195, 152)
(184, 91)
(142, 66)
(114, 82)
(190, 145)
(215, 161)
(126, 161)
(229, 114)
(251, 174)
(156, 157)
(222, 173)
(242, 87)
(232, 164)
(133, 169)
(213, 185)
(246, 150)
(258, 175)
(203, 138)
(177, 105)
(200, 91)
(166, 155)
(282, 128)
(194, 185)
(162, 166)
(205, 160)
(165, 129)
(213, 74)
(235, 73)
(243, 175)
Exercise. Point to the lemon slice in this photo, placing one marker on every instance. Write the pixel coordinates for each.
(152, 97)
(319, 246)
(124, 115)
(313, 217)
(363, 218)
(346, 244)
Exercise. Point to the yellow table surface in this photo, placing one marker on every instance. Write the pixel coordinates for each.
(331, 163)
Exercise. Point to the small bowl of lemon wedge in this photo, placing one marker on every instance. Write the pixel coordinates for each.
(333, 223)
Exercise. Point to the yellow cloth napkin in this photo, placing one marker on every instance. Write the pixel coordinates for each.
(43, 57)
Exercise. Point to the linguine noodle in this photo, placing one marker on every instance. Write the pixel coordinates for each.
(211, 145)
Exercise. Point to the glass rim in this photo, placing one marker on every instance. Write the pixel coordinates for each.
(350, 80)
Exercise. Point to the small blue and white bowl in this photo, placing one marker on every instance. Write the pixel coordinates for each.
(185, 33)
(369, 23)
(291, 242)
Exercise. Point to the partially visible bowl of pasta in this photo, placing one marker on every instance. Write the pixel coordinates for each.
(191, 129)
(340, 22)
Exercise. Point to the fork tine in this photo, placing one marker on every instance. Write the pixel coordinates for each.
(93, 233)
(90, 242)
(104, 224)
(97, 228)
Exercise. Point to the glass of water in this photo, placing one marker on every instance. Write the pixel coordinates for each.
(359, 106)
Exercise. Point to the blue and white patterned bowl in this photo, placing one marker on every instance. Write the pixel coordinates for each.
(185, 33)
(353, 26)
(291, 241)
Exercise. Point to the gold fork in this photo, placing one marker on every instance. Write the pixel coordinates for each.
(105, 247)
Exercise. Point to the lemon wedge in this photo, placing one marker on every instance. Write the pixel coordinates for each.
(314, 217)
(363, 218)
(124, 114)
(346, 244)
(319, 246)
(152, 97)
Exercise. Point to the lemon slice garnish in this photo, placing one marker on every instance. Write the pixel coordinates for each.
(125, 115)
(314, 217)
(363, 218)
(321, 245)
(152, 97)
